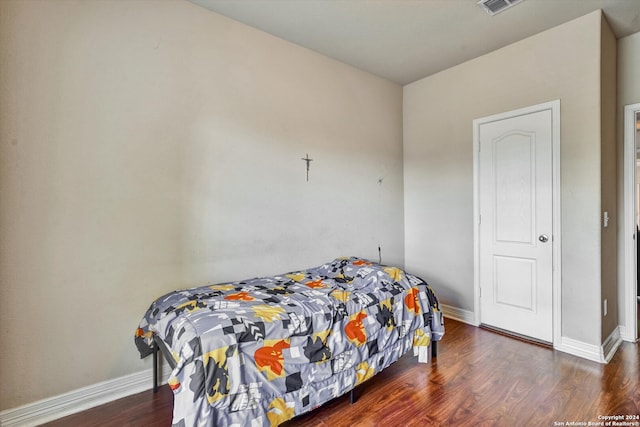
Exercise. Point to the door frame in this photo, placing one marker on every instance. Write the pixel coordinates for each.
(554, 106)
(629, 330)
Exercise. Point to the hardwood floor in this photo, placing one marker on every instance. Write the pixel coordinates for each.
(479, 378)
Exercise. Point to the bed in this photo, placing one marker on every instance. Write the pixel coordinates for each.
(259, 352)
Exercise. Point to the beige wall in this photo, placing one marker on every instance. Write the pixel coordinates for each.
(608, 173)
(628, 93)
(628, 70)
(153, 145)
(561, 63)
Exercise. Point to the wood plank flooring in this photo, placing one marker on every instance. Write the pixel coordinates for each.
(479, 378)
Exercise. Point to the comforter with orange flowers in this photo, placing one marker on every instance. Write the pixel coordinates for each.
(259, 352)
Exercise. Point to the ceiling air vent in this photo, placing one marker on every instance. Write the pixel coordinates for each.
(496, 6)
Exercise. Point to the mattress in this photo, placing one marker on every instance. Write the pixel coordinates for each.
(261, 351)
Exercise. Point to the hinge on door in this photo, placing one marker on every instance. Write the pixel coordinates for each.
(479, 218)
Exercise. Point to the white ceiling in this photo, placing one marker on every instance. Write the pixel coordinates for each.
(406, 40)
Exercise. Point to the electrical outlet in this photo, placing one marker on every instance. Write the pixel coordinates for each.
(605, 307)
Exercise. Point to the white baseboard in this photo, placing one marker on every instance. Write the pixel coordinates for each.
(600, 354)
(458, 314)
(610, 345)
(55, 407)
(626, 334)
(75, 401)
(578, 348)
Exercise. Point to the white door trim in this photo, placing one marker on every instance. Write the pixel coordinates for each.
(554, 106)
(629, 330)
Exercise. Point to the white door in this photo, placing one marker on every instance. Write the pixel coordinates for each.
(516, 218)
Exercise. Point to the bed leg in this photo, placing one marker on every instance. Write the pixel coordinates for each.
(434, 349)
(353, 396)
(155, 369)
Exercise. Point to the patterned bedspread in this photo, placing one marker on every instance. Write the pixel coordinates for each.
(259, 352)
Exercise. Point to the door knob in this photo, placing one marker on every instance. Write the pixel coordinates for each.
(543, 238)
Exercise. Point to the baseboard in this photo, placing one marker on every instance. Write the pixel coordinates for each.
(626, 334)
(458, 314)
(600, 354)
(610, 345)
(55, 407)
(579, 348)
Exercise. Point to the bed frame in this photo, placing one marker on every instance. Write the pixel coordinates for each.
(160, 347)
